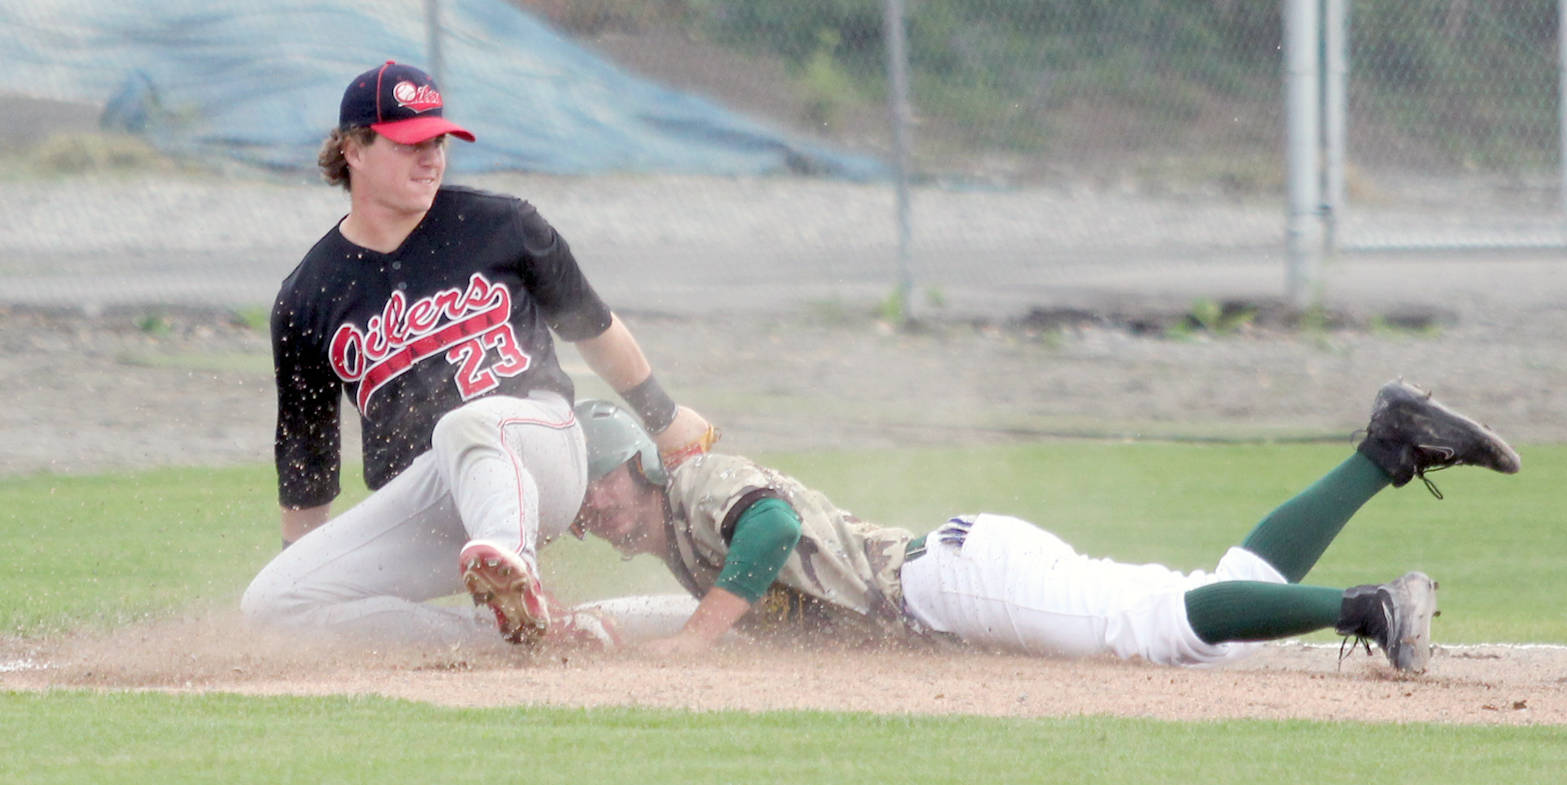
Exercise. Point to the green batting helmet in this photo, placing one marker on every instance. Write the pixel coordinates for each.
(615, 437)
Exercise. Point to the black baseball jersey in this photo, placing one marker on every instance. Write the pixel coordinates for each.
(463, 309)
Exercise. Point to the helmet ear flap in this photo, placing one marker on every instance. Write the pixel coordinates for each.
(657, 477)
(636, 467)
(649, 466)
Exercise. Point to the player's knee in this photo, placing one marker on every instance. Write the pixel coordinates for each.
(258, 604)
(270, 603)
(459, 428)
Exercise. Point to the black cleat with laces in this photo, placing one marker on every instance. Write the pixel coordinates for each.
(1411, 434)
(1396, 616)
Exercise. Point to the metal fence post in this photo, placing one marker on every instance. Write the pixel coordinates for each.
(898, 98)
(1561, 91)
(1335, 70)
(432, 39)
(1301, 96)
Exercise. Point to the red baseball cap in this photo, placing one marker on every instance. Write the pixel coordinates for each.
(399, 102)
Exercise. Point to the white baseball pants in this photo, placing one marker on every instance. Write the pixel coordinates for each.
(512, 470)
(1015, 587)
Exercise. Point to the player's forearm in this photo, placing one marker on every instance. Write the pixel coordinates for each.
(298, 522)
(616, 357)
(715, 616)
(678, 431)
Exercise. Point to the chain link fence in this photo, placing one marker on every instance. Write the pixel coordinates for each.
(1050, 145)
(1150, 131)
(1453, 125)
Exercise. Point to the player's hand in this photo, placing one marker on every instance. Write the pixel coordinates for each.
(688, 435)
(578, 627)
(585, 628)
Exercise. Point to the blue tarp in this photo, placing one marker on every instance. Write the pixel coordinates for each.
(260, 83)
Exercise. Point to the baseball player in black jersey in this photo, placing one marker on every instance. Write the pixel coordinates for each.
(431, 308)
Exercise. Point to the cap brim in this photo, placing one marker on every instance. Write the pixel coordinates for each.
(418, 129)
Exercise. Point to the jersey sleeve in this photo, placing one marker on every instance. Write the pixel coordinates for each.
(556, 282)
(307, 447)
(765, 534)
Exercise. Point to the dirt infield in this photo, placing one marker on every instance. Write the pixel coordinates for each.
(1492, 685)
(194, 386)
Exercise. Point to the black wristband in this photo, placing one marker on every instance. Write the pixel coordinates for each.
(653, 406)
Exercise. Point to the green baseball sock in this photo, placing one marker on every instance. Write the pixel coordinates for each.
(1259, 611)
(1293, 537)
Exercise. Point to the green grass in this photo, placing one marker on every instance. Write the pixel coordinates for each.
(100, 550)
(159, 541)
(70, 737)
(1495, 543)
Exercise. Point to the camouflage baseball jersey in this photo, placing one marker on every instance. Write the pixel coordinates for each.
(841, 581)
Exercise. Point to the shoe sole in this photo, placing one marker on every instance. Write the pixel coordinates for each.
(1409, 632)
(1501, 456)
(501, 580)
